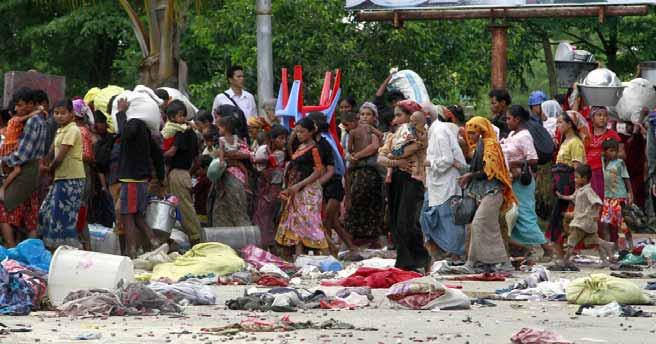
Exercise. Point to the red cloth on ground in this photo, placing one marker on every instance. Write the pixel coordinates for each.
(258, 257)
(272, 281)
(533, 336)
(374, 278)
(336, 304)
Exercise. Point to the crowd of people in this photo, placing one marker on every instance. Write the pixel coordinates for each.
(402, 167)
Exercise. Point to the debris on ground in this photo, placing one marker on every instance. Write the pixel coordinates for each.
(282, 324)
(534, 336)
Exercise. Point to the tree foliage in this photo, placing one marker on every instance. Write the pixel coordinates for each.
(92, 44)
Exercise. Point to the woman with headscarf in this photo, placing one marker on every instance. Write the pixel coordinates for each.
(488, 181)
(522, 159)
(406, 196)
(550, 112)
(593, 149)
(573, 129)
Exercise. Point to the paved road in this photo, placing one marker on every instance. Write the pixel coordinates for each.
(478, 325)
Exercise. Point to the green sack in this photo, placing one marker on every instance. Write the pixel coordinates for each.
(216, 169)
(202, 259)
(601, 289)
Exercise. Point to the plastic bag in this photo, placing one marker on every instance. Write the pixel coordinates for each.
(142, 107)
(511, 218)
(639, 93)
(410, 84)
(601, 289)
(426, 293)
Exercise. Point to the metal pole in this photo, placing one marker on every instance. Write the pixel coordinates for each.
(264, 53)
(499, 55)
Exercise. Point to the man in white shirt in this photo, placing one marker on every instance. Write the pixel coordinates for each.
(443, 158)
(236, 95)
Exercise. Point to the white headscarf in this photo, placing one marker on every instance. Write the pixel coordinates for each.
(551, 109)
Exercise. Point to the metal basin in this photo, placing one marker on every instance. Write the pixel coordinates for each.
(569, 72)
(601, 95)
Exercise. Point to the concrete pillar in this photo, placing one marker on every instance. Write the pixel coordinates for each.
(264, 53)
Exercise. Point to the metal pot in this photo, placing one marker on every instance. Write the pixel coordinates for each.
(160, 216)
(648, 71)
(235, 237)
(602, 77)
(601, 95)
(569, 72)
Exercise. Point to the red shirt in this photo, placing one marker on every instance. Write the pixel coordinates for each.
(593, 148)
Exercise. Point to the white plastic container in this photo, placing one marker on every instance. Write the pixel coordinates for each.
(104, 240)
(72, 269)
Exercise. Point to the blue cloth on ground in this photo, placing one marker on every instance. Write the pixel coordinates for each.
(15, 294)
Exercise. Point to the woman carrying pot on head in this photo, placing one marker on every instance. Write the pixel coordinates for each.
(406, 194)
(522, 159)
(572, 127)
(488, 181)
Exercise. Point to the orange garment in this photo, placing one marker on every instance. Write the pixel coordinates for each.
(495, 161)
(12, 136)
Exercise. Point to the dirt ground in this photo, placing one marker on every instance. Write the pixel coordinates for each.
(478, 325)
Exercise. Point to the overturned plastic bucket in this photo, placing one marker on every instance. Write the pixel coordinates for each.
(72, 269)
(235, 237)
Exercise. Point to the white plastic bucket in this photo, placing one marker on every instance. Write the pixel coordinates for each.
(72, 269)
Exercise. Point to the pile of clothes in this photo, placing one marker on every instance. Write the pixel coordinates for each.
(373, 278)
(537, 286)
(426, 293)
(22, 288)
(137, 298)
(291, 299)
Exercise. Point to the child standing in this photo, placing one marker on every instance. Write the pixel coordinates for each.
(583, 225)
(269, 183)
(617, 191)
(58, 213)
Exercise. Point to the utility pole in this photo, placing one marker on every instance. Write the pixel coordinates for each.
(264, 53)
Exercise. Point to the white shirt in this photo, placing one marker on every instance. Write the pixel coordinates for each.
(246, 102)
(443, 150)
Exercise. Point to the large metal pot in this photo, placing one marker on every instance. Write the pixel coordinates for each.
(160, 216)
(569, 72)
(648, 71)
(601, 95)
(235, 237)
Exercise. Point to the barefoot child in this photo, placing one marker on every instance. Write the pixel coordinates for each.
(10, 144)
(617, 191)
(583, 225)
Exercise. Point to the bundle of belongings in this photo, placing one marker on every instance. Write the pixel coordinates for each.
(290, 299)
(426, 293)
(22, 288)
(601, 289)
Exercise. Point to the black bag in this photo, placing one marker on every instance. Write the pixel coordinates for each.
(542, 141)
(463, 208)
(525, 177)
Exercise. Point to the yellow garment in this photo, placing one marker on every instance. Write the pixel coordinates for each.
(172, 128)
(101, 102)
(202, 259)
(91, 95)
(71, 166)
(571, 151)
(494, 162)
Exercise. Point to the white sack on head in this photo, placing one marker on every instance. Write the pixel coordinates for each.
(176, 94)
(410, 84)
(142, 107)
(639, 93)
(150, 93)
